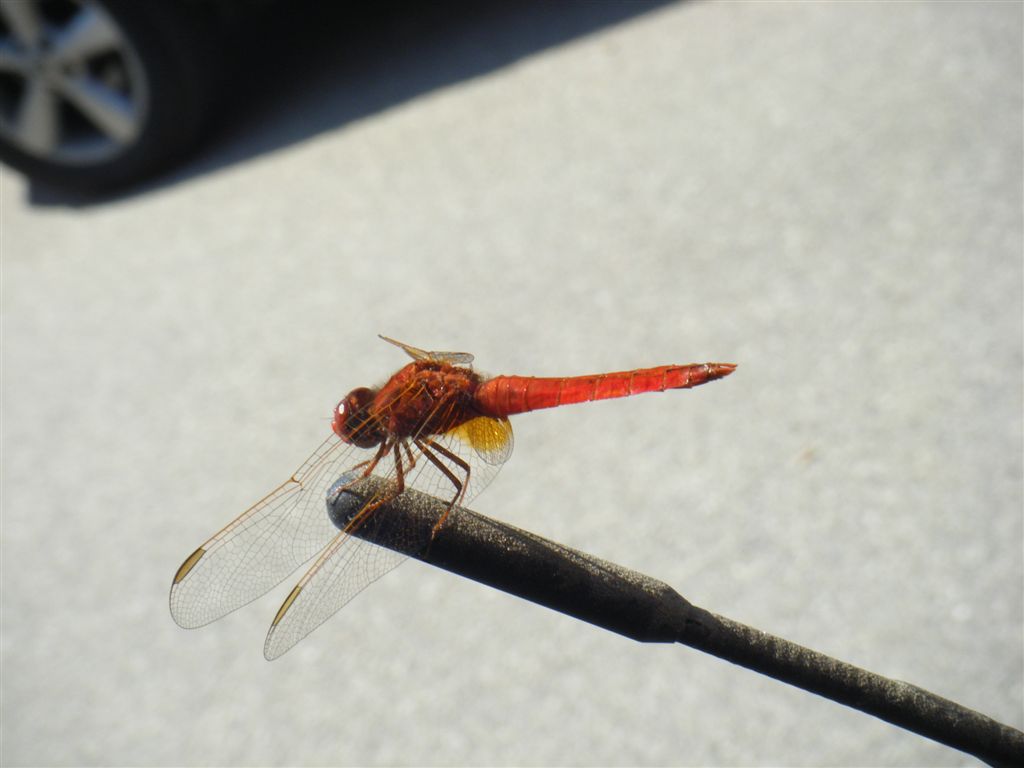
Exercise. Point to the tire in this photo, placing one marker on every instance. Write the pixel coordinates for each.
(115, 109)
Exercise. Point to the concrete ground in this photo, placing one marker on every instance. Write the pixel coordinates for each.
(829, 195)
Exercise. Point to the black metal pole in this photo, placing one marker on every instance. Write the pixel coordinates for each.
(648, 610)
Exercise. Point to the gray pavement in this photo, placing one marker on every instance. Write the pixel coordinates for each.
(829, 195)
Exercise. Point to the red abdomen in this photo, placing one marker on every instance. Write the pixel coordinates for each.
(506, 395)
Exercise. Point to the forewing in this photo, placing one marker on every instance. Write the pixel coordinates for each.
(346, 567)
(452, 358)
(350, 563)
(265, 544)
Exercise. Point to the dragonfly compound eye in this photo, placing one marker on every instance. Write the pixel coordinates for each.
(353, 421)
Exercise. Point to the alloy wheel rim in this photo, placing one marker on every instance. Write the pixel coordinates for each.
(72, 90)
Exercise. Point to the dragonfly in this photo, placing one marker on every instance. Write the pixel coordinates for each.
(436, 426)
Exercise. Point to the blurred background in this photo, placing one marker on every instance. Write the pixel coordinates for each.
(829, 195)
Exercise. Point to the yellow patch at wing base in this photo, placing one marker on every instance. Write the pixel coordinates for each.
(490, 438)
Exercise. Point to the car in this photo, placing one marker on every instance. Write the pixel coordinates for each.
(98, 94)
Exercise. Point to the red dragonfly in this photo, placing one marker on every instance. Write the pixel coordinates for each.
(436, 426)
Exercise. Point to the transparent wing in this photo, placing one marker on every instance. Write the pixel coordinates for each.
(453, 358)
(349, 563)
(344, 569)
(266, 543)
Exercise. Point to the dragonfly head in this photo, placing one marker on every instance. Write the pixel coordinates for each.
(353, 421)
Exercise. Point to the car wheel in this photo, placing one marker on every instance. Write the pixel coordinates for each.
(95, 94)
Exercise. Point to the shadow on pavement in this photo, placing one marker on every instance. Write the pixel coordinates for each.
(303, 68)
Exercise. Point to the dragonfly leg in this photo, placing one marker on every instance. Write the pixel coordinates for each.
(409, 454)
(399, 470)
(370, 465)
(428, 446)
(388, 495)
